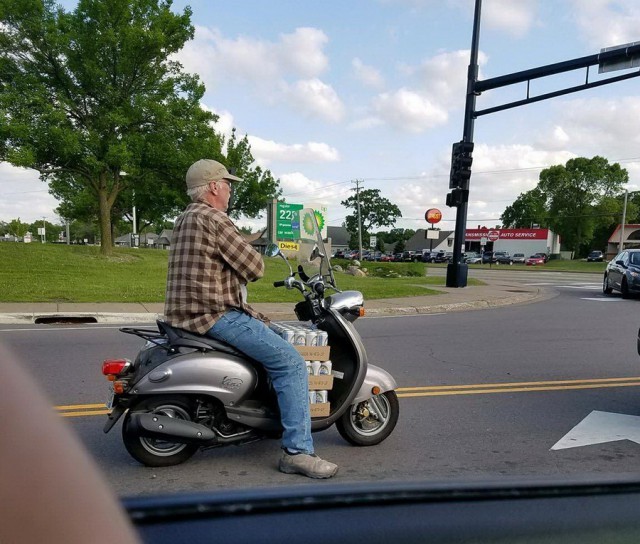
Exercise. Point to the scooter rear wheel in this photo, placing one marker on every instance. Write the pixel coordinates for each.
(371, 421)
(154, 452)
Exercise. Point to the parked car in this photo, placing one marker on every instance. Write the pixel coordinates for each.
(472, 258)
(397, 257)
(535, 260)
(519, 258)
(340, 254)
(595, 257)
(407, 256)
(386, 258)
(429, 256)
(623, 273)
(543, 255)
(443, 257)
(496, 257)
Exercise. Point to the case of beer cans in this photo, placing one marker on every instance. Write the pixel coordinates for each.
(312, 344)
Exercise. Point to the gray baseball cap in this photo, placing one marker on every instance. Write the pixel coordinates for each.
(206, 170)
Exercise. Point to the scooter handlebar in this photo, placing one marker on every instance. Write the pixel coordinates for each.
(278, 284)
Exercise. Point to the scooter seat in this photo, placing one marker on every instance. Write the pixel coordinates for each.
(181, 338)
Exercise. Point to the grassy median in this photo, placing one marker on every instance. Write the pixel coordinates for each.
(61, 273)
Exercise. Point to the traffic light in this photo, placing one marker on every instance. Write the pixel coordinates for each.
(457, 197)
(461, 160)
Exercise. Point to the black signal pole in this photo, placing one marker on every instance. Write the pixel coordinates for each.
(457, 270)
(611, 59)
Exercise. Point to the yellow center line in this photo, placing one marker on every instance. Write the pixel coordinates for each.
(519, 384)
(461, 391)
(79, 410)
(80, 407)
(92, 413)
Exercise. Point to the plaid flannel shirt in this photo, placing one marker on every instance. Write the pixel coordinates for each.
(209, 260)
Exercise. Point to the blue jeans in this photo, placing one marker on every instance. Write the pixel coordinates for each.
(284, 365)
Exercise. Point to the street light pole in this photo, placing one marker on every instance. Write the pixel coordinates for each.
(624, 220)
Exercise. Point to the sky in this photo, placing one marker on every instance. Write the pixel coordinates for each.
(336, 91)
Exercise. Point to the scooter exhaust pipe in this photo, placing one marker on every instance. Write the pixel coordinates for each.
(171, 429)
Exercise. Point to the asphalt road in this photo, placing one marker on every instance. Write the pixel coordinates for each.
(484, 394)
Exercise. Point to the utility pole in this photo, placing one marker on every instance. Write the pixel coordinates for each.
(358, 182)
(44, 229)
(624, 220)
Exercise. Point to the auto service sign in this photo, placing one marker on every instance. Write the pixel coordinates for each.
(506, 234)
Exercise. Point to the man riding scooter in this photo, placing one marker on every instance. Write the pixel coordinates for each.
(210, 264)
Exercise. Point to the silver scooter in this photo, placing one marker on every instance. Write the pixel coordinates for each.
(185, 392)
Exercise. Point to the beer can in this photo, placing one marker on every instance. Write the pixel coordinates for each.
(300, 337)
(323, 338)
(289, 336)
(309, 368)
(312, 397)
(325, 368)
(322, 396)
(312, 337)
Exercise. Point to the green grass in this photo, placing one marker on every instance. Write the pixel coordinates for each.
(60, 273)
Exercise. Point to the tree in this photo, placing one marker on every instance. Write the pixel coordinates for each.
(91, 94)
(375, 211)
(575, 191)
(251, 196)
(529, 208)
(17, 228)
(575, 200)
(52, 232)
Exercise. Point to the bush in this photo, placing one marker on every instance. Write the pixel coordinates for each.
(397, 270)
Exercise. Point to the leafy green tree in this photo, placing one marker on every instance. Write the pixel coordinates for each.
(51, 231)
(18, 228)
(250, 197)
(375, 211)
(89, 94)
(529, 208)
(574, 191)
(399, 247)
(4, 228)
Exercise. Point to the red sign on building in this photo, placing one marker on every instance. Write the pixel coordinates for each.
(493, 235)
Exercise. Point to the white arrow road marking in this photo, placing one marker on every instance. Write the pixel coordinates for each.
(602, 299)
(599, 428)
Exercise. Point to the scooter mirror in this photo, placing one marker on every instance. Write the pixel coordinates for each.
(272, 250)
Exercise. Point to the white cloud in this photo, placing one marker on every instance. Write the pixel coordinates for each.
(267, 151)
(23, 195)
(302, 52)
(606, 23)
(407, 110)
(514, 17)
(440, 85)
(286, 70)
(367, 74)
(317, 99)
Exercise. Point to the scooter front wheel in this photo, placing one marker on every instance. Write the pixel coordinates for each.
(153, 452)
(371, 421)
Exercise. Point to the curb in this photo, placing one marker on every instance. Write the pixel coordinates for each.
(147, 318)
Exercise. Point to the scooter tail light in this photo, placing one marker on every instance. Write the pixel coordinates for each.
(114, 367)
(362, 311)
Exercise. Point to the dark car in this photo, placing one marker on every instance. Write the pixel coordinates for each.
(623, 273)
(496, 257)
(407, 256)
(443, 257)
(595, 257)
(340, 254)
